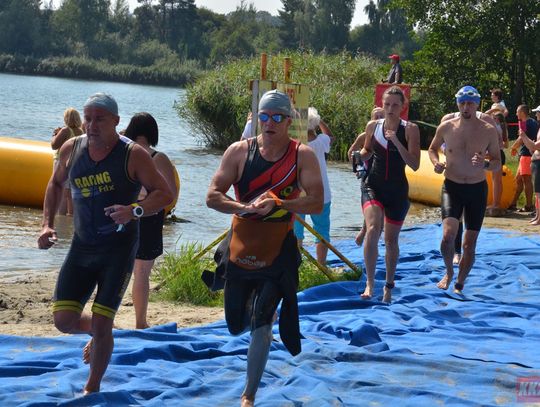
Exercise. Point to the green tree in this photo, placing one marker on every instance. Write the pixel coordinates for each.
(387, 32)
(331, 24)
(287, 31)
(483, 42)
(20, 26)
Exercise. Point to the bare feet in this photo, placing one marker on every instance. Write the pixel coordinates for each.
(368, 292)
(87, 351)
(445, 282)
(359, 239)
(88, 391)
(458, 288)
(387, 292)
(247, 401)
(535, 222)
(457, 258)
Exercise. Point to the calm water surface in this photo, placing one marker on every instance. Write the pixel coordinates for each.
(31, 107)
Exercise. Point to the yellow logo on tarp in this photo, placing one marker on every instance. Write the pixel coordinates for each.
(102, 181)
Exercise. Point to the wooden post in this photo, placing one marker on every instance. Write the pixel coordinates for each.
(264, 62)
(287, 69)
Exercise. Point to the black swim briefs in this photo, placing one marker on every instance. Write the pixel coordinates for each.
(469, 200)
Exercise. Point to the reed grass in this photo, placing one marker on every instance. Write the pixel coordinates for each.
(179, 277)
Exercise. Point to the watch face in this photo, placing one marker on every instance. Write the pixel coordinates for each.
(138, 211)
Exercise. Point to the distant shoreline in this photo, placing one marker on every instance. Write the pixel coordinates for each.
(95, 70)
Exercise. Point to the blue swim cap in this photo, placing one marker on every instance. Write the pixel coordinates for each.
(103, 101)
(468, 94)
(276, 101)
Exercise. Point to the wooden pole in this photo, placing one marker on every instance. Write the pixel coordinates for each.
(329, 245)
(321, 267)
(287, 69)
(209, 247)
(264, 61)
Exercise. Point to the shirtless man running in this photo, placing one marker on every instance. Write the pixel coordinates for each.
(464, 190)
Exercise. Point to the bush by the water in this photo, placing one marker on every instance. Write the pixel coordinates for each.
(179, 277)
(341, 88)
(171, 74)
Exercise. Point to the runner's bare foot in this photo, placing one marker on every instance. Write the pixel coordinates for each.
(445, 282)
(368, 292)
(457, 258)
(247, 401)
(87, 350)
(88, 391)
(387, 292)
(458, 288)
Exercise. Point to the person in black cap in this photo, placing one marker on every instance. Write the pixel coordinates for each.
(258, 261)
(395, 75)
(105, 172)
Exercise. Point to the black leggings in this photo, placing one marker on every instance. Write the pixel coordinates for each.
(250, 303)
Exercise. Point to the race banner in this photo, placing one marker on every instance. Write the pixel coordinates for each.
(299, 95)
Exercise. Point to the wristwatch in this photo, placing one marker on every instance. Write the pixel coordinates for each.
(138, 210)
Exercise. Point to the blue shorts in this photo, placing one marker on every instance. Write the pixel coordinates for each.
(321, 223)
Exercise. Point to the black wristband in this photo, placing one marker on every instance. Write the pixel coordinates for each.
(486, 164)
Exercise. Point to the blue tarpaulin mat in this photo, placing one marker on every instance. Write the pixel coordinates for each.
(429, 347)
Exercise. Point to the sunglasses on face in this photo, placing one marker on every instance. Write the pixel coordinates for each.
(277, 118)
(467, 93)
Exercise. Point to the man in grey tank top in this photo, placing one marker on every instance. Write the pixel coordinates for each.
(105, 172)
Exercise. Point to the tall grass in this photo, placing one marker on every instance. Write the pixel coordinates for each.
(179, 277)
(342, 89)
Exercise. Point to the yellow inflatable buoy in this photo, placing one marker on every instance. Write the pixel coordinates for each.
(170, 207)
(25, 169)
(425, 185)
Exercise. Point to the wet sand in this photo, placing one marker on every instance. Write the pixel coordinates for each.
(25, 302)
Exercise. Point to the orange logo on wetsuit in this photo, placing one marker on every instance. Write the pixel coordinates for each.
(101, 181)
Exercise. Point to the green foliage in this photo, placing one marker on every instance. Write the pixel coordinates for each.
(311, 276)
(483, 43)
(341, 90)
(84, 68)
(179, 277)
(387, 32)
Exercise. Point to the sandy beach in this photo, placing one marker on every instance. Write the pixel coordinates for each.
(25, 309)
(25, 301)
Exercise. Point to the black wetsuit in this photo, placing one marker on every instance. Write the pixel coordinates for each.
(100, 254)
(253, 295)
(386, 184)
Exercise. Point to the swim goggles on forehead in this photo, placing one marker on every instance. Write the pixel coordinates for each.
(470, 93)
(278, 117)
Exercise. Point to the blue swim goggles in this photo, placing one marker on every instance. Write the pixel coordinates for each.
(277, 118)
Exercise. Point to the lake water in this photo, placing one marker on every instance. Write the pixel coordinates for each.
(31, 107)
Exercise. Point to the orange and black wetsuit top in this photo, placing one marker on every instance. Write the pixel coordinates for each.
(260, 175)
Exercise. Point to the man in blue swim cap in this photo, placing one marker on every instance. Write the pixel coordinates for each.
(259, 258)
(464, 192)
